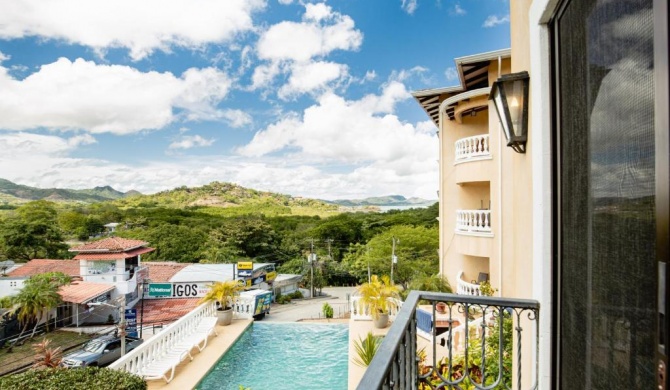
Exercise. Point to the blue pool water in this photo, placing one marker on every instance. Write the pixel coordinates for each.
(284, 356)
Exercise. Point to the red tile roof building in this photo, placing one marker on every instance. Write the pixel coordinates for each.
(163, 311)
(163, 271)
(40, 266)
(111, 248)
(82, 292)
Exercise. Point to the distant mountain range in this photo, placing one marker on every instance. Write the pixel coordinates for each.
(384, 201)
(17, 193)
(215, 194)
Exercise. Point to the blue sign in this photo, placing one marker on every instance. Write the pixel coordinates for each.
(131, 322)
(244, 273)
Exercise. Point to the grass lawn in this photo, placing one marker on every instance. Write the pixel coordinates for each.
(23, 355)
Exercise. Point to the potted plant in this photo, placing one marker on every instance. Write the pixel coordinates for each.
(225, 293)
(380, 296)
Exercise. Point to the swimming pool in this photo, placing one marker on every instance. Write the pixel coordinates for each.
(284, 356)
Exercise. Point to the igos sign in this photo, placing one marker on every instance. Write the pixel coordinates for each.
(177, 290)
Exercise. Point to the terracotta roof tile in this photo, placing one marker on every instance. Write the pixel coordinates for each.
(82, 292)
(164, 311)
(110, 244)
(40, 266)
(163, 271)
(113, 255)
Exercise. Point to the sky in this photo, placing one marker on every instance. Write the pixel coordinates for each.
(307, 98)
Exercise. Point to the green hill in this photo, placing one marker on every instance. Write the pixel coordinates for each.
(229, 199)
(12, 193)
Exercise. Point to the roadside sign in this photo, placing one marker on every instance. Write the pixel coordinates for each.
(131, 322)
(160, 289)
(245, 265)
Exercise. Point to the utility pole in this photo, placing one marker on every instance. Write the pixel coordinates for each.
(367, 252)
(122, 323)
(330, 255)
(394, 258)
(312, 259)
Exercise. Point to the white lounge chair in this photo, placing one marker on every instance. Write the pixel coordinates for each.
(159, 369)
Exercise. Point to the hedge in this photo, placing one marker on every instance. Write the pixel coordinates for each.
(77, 378)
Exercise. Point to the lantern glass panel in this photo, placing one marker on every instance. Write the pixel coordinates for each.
(514, 92)
(500, 108)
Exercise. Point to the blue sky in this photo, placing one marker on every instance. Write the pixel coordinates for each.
(299, 97)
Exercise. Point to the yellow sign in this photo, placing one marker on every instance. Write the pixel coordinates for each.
(245, 265)
(271, 276)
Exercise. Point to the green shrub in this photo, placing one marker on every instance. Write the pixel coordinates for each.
(297, 294)
(284, 299)
(81, 378)
(327, 310)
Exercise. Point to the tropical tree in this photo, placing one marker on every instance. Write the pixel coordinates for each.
(38, 296)
(416, 253)
(33, 232)
(6, 302)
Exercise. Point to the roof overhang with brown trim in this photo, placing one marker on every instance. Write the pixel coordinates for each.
(113, 255)
(472, 73)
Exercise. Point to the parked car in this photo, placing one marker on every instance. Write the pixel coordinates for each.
(99, 352)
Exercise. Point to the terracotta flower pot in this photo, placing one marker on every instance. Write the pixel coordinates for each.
(441, 307)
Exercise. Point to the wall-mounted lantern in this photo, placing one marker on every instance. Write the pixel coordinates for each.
(510, 97)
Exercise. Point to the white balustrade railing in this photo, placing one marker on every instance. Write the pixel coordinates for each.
(159, 344)
(360, 311)
(472, 148)
(476, 221)
(465, 288)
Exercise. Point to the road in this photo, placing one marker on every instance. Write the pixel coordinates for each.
(303, 309)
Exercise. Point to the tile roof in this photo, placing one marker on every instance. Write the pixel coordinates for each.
(109, 244)
(82, 292)
(164, 311)
(163, 271)
(113, 255)
(39, 266)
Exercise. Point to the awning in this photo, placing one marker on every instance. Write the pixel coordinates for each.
(82, 292)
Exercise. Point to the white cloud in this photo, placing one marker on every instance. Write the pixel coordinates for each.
(363, 132)
(494, 20)
(83, 139)
(322, 32)
(190, 141)
(142, 27)
(370, 75)
(264, 74)
(285, 2)
(317, 12)
(458, 10)
(409, 6)
(236, 118)
(43, 161)
(310, 77)
(451, 73)
(97, 98)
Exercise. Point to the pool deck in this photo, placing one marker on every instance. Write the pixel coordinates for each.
(359, 329)
(189, 373)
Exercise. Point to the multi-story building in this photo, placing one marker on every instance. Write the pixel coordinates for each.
(578, 218)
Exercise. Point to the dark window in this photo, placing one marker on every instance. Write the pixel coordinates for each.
(606, 202)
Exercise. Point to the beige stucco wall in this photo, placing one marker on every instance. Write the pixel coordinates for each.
(471, 185)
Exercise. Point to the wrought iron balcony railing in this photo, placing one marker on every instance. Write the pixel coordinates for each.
(470, 344)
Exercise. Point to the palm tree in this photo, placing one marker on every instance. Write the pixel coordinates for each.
(379, 295)
(38, 296)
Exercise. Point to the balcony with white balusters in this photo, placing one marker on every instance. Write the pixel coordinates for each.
(472, 149)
